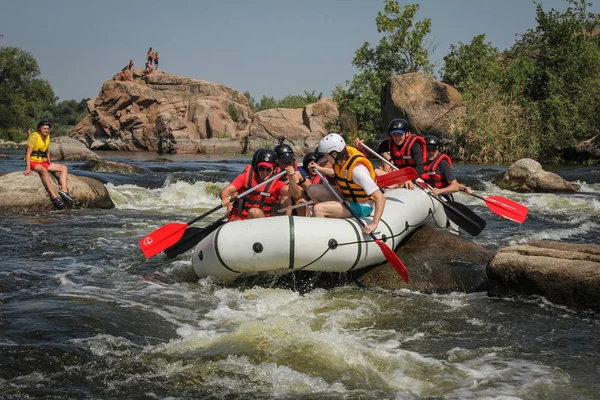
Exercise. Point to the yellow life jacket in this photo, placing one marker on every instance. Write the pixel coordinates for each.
(343, 176)
(39, 145)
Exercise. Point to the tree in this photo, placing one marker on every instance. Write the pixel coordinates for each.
(565, 83)
(23, 96)
(474, 63)
(400, 50)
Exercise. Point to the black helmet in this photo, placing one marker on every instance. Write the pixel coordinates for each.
(308, 157)
(398, 124)
(263, 155)
(432, 142)
(44, 122)
(284, 152)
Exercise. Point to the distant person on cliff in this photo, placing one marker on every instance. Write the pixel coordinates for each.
(148, 69)
(156, 61)
(150, 55)
(261, 202)
(130, 65)
(37, 158)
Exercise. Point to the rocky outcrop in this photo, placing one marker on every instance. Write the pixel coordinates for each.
(429, 105)
(22, 193)
(196, 116)
(68, 149)
(527, 175)
(7, 144)
(437, 262)
(564, 273)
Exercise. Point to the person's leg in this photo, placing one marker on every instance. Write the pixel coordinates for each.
(45, 176)
(329, 209)
(255, 213)
(320, 193)
(64, 171)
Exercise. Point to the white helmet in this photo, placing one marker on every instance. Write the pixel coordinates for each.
(331, 142)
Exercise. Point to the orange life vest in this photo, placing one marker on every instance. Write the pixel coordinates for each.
(343, 176)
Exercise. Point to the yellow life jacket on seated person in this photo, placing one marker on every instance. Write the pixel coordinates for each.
(40, 146)
(343, 176)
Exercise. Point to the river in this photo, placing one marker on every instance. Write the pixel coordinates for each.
(78, 321)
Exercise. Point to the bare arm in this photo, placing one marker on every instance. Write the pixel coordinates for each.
(226, 193)
(28, 160)
(379, 206)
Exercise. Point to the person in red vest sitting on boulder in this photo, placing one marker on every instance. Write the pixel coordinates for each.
(37, 158)
(262, 201)
(438, 171)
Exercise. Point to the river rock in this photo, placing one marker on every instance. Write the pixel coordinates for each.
(69, 149)
(22, 193)
(111, 167)
(437, 262)
(428, 104)
(527, 175)
(564, 273)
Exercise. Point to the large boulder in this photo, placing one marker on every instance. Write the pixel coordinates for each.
(68, 149)
(135, 115)
(194, 116)
(564, 273)
(22, 193)
(437, 262)
(428, 104)
(527, 175)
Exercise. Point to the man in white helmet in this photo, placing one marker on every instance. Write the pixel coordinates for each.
(355, 179)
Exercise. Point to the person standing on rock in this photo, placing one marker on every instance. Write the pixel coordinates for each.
(130, 65)
(150, 56)
(37, 158)
(156, 61)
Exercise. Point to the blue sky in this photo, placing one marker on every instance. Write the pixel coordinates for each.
(267, 47)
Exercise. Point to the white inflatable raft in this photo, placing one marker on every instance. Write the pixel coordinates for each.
(288, 243)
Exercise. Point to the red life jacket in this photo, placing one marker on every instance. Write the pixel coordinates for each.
(263, 198)
(401, 157)
(432, 175)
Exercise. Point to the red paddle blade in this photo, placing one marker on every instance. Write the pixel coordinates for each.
(162, 238)
(393, 259)
(398, 176)
(507, 208)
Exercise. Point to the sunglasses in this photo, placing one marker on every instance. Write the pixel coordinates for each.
(265, 169)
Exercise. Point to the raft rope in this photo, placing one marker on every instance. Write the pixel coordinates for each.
(406, 227)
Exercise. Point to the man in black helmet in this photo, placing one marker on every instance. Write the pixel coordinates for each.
(438, 170)
(259, 203)
(295, 182)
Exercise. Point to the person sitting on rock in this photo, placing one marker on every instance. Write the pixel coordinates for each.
(261, 202)
(37, 158)
(148, 69)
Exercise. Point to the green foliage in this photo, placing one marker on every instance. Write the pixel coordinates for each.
(23, 96)
(65, 115)
(400, 50)
(233, 112)
(289, 101)
(539, 99)
(469, 64)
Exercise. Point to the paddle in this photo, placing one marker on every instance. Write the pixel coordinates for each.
(191, 237)
(456, 212)
(387, 251)
(397, 176)
(504, 207)
(168, 235)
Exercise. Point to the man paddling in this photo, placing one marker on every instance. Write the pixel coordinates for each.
(260, 203)
(355, 179)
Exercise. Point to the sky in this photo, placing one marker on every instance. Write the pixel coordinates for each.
(267, 47)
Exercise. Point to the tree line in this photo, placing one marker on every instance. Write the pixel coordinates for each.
(25, 98)
(539, 99)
